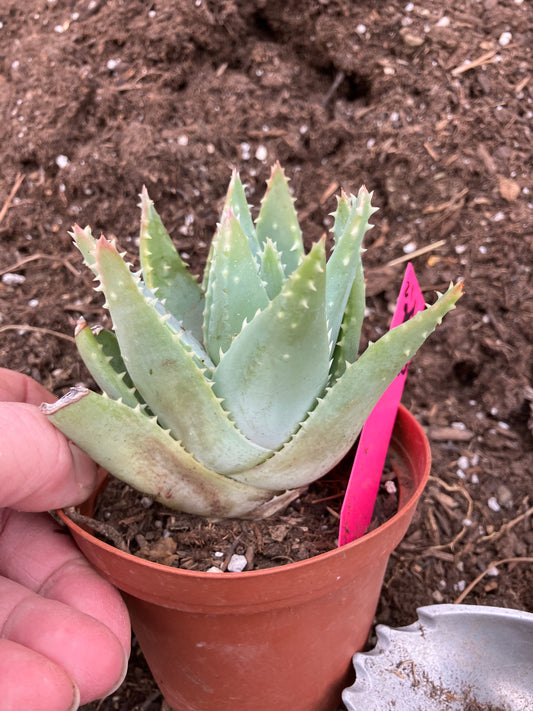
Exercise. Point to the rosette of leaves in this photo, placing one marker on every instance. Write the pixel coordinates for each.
(224, 397)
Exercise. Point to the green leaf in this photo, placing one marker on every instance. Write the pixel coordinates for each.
(166, 273)
(277, 366)
(237, 203)
(136, 450)
(271, 269)
(343, 264)
(235, 291)
(85, 242)
(101, 354)
(165, 371)
(349, 338)
(333, 426)
(278, 221)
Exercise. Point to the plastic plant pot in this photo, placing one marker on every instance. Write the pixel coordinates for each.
(279, 639)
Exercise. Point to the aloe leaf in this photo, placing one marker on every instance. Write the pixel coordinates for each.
(346, 257)
(166, 273)
(235, 290)
(165, 371)
(85, 242)
(271, 269)
(278, 364)
(133, 447)
(278, 221)
(349, 337)
(237, 203)
(341, 215)
(332, 427)
(101, 354)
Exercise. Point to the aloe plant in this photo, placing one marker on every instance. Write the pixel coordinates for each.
(224, 397)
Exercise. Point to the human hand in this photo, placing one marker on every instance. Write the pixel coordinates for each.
(64, 631)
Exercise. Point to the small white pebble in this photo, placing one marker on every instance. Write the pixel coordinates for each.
(498, 217)
(459, 426)
(218, 554)
(460, 248)
(390, 487)
(361, 29)
(245, 150)
(213, 569)
(483, 249)
(494, 411)
(183, 140)
(467, 522)
(237, 563)
(146, 502)
(503, 425)
(459, 586)
(493, 504)
(11, 279)
(505, 38)
(409, 7)
(461, 474)
(437, 596)
(443, 22)
(261, 153)
(62, 161)
(112, 64)
(493, 572)
(33, 303)
(463, 462)
(409, 248)
(474, 479)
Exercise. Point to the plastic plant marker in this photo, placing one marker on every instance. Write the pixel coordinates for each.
(361, 492)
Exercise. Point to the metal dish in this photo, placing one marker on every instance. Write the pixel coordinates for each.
(454, 658)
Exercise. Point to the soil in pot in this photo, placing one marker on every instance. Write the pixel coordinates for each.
(308, 527)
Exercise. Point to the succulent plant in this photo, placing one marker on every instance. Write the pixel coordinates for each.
(225, 397)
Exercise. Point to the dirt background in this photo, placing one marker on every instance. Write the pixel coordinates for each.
(427, 103)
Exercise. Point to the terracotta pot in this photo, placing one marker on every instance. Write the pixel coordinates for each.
(280, 639)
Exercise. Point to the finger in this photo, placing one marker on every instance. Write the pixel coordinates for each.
(30, 681)
(36, 552)
(17, 387)
(39, 470)
(87, 650)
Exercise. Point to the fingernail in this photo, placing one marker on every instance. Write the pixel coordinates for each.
(122, 675)
(76, 700)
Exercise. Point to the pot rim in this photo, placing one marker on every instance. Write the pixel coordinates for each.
(235, 578)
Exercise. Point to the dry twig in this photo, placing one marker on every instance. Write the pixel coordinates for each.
(417, 253)
(36, 329)
(464, 529)
(40, 255)
(480, 577)
(14, 189)
(506, 527)
(473, 63)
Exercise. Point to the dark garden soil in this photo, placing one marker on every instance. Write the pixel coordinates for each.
(427, 103)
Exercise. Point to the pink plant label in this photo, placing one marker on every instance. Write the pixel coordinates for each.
(362, 489)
